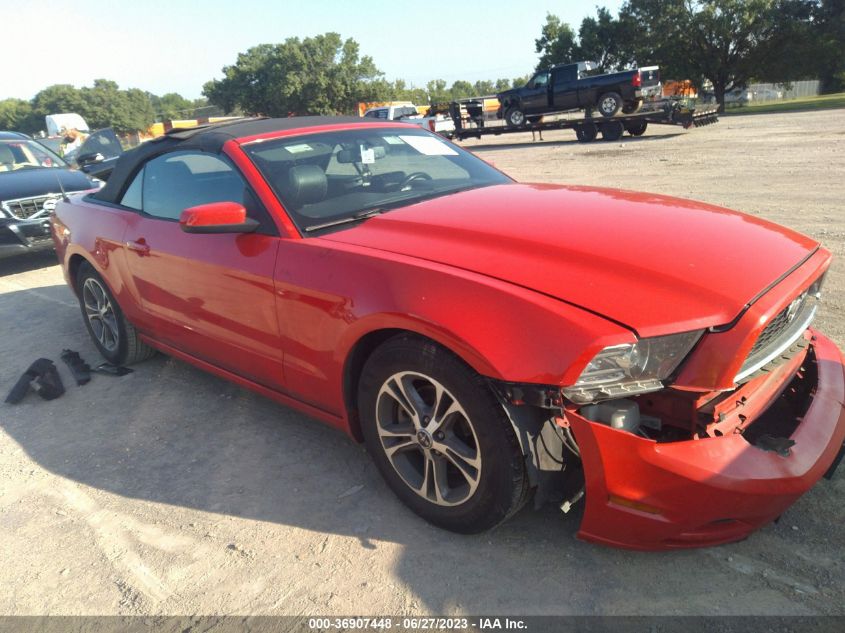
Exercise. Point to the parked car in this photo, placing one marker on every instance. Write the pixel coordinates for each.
(432, 122)
(570, 87)
(486, 339)
(766, 94)
(392, 112)
(31, 180)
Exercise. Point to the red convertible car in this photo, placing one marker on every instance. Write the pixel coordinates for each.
(487, 340)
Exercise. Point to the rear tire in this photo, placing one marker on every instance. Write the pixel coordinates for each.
(586, 132)
(632, 107)
(439, 437)
(637, 128)
(609, 104)
(114, 336)
(612, 130)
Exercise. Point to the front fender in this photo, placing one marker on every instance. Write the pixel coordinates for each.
(332, 295)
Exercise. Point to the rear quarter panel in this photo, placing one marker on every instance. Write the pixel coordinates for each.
(615, 82)
(94, 232)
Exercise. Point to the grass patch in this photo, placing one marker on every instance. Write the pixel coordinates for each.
(820, 102)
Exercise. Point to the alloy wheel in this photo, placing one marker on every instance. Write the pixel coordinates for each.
(428, 438)
(100, 314)
(608, 104)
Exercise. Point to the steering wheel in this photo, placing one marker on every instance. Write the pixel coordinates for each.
(410, 178)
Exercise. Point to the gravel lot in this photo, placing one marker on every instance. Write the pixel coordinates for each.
(169, 491)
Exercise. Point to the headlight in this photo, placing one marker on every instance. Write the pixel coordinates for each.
(631, 368)
(98, 183)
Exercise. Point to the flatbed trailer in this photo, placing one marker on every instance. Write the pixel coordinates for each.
(468, 116)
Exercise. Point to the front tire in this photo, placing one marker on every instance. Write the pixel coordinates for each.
(515, 117)
(439, 437)
(115, 338)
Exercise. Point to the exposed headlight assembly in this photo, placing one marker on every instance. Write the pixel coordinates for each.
(631, 368)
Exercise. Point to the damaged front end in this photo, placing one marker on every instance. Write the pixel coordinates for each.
(718, 466)
(704, 458)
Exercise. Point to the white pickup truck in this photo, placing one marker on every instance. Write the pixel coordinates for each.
(439, 124)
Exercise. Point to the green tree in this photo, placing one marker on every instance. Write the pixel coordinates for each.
(518, 82)
(172, 106)
(727, 42)
(316, 75)
(106, 105)
(57, 99)
(437, 92)
(17, 115)
(138, 112)
(829, 15)
(461, 90)
(483, 87)
(557, 43)
(602, 40)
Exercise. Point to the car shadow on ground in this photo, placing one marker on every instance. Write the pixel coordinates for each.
(27, 262)
(171, 434)
(528, 144)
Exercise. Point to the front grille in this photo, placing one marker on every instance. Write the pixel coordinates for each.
(778, 337)
(31, 208)
(775, 328)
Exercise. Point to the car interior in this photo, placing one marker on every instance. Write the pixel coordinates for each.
(319, 180)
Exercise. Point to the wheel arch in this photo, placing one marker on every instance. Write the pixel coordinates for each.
(367, 343)
(74, 263)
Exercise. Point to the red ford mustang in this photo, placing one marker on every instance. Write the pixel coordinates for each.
(488, 340)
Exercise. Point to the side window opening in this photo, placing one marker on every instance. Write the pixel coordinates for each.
(171, 183)
(133, 196)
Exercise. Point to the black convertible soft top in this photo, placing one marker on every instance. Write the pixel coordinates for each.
(206, 138)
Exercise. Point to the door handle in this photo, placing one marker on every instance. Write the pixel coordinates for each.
(139, 246)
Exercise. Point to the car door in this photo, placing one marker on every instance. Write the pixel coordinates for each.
(208, 295)
(535, 95)
(100, 146)
(565, 88)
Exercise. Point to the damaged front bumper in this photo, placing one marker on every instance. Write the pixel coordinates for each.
(652, 495)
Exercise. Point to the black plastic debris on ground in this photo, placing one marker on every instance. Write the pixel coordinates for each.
(42, 377)
(79, 368)
(111, 370)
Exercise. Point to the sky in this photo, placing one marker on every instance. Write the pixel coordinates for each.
(177, 45)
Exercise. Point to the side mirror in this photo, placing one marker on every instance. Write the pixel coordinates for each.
(217, 217)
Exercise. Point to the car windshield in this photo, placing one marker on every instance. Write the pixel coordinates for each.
(23, 154)
(325, 179)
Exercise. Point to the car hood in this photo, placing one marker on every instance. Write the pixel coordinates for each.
(653, 263)
(27, 183)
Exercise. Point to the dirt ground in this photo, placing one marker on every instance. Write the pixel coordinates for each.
(169, 491)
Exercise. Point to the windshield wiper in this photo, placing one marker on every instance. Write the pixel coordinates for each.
(361, 215)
